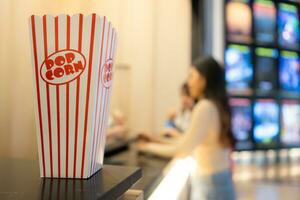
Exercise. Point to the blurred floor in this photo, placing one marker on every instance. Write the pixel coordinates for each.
(267, 176)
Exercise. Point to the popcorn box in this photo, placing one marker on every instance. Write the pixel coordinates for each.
(73, 59)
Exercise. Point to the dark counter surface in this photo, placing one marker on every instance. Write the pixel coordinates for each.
(20, 179)
(152, 166)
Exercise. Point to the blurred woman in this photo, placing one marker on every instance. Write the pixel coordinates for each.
(209, 135)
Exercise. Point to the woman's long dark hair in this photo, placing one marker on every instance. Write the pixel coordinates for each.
(215, 91)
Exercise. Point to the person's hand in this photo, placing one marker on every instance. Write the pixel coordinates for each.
(167, 132)
(118, 132)
(118, 117)
(172, 114)
(170, 132)
(144, 136)
(141, 146)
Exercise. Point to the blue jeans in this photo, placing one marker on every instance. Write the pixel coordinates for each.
(218, 186)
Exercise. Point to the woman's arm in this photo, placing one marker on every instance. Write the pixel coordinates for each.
(118, 131)
(159, 149)
(172, 132)
(202, 118)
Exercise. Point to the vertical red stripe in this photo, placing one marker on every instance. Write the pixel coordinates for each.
(88, 91)
(108, 89)
(96, 113)
(47, 92)
(101, 111)
(50, 130)
(76, 125)
(67, 103)
(67, 129)
(58, 128)
(56, 33)
(77, 96)
(57, 101)
(103, 117)
(38, 91)
(106, 103)
(107, 98)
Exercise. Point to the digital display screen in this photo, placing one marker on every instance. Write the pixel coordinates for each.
(238, 67)
(266, 73)
(288, 26)
(290, 123)
(241, 122)
(289, 71)
(264, 15)
(238, 21)
(266, 122)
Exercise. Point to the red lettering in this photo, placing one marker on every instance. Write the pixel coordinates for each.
(49, 63)
(78, 66)
(59, 60)
(49, 75)
(64, 66)
(58, 72)
(70, 57)
(69, 69)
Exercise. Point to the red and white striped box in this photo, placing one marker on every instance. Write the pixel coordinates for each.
(73, 60)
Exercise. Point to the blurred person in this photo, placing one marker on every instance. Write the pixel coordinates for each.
(209, 137)
(116, 125)
(178, 121)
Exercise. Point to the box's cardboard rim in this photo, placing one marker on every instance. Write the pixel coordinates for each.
(67, 15)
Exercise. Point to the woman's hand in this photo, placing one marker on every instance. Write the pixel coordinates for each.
(144, 136)
(147, 137)
(172, 113)
(141, 146)
(170, 132)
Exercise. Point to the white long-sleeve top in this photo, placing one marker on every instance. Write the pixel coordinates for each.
(200, 140)
(183, 119)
